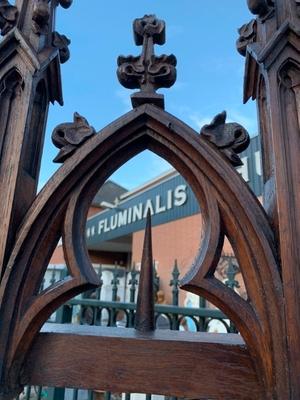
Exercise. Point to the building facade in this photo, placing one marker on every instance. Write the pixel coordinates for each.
(116, 221)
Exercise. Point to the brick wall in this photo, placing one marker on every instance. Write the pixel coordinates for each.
(181, 240)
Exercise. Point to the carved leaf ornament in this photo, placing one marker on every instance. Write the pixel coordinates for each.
(228, 208)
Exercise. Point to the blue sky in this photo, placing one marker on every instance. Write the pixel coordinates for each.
(200, 33)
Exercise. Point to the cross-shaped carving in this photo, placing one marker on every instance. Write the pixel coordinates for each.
(147, 71)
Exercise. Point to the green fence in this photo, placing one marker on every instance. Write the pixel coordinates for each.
(90, 309)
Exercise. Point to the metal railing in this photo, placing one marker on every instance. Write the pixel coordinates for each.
(92, 310)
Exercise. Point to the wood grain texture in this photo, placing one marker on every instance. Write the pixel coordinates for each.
(63, 204)
(144, 317)
(265, 242)
(272, 76)
(29, 80)
(194, 365)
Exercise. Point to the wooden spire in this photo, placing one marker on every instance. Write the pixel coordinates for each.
(144, 318)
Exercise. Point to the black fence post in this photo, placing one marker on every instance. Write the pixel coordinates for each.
(64, 313)
(42, 285)
(97, 311)
(174, 283)
(53, 276)
(232, 283)
(99, 288)
(155, 281)
(63, 316)
(114, 282)
(133, 283)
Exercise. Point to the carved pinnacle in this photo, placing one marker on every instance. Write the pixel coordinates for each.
(144, 318)
(230, 138)
(147, 71)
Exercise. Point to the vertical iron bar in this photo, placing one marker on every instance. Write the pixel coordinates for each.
(97, 311)
(107, 396)
(28, 392)
(53, 276)
(201, 325)
(99, 288)
(42, 285)
(75, 394)
(232, 283)
(133, 282)
(155, 281)
(114, 282)
(174, 283)
(39, 393)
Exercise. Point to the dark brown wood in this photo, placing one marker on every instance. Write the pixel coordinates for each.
(70, 192)
(230, 138)
(215, 365)
(272, 76)
(147, 71)
(29, 80)
(265, 240)
(71, 135)
(144, 317)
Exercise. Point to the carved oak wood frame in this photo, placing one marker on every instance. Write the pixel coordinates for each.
(264, 361)
(229, 208)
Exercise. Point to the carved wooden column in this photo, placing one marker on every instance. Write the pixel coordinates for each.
(263, 361)
(30, 57)
(271, 44)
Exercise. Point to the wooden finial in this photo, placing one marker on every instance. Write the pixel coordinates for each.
(147, 72)
(144, 318)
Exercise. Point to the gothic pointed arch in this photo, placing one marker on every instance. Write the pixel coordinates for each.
(228, 207)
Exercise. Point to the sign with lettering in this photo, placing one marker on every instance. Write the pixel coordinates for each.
(167, 201)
